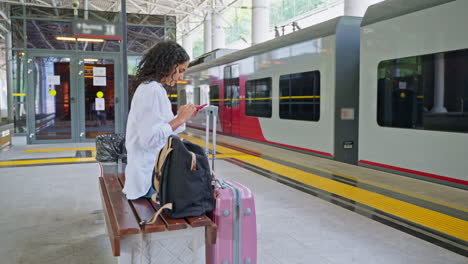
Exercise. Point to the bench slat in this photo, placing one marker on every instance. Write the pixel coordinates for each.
(198, 221)
(125, 218)
(145, 211)
(171, 224)
(110, 221)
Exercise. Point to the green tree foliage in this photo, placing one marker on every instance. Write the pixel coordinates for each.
(239, 22)
(284, 10)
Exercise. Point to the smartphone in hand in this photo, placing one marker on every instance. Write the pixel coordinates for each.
(201, 106)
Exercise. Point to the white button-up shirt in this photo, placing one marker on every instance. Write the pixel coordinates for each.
(147, 132)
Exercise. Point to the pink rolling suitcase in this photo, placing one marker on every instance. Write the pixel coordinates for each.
(234, 215)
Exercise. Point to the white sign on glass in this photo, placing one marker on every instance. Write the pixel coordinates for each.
(99, 71)
(100, 104)
(99, 81)
(53, 79)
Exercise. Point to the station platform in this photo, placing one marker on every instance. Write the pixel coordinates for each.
(309, 209)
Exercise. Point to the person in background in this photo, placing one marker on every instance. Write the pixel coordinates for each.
(150, 120)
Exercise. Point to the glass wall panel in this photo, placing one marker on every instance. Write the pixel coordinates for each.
(171, 34)
(43, 35)
(16, 10)
(140, 38)
(171, 21)
(102, 16)
(17, 33)
(105, 45)
(99, 97)
(49, 12)
(19, 92)
(52, 99)
(144, 19)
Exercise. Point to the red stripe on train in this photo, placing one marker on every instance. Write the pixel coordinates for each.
(420, 173)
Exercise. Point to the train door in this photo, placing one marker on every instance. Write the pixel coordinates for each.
(231, 111)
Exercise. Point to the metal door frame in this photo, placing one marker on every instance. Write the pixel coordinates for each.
(118, 93)
(30, 96)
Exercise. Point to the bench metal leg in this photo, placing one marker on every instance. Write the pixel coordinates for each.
(186, 246)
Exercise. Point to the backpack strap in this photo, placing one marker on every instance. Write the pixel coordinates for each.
(155, 216)
(159, 164)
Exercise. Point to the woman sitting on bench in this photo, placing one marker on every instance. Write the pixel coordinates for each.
(151, 121)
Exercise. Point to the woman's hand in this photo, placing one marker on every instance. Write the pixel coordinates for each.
(186, 112)
(183, 115)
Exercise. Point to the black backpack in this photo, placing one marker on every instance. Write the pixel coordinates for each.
(183, 180)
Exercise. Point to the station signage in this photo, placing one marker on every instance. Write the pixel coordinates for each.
(93, 29)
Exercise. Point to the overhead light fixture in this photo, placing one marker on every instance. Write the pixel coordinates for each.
(91, 60)
(79, 39)
(90, 40)
(66, 38)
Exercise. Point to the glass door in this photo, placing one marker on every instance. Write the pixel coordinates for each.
(51, 98)
(98, 100)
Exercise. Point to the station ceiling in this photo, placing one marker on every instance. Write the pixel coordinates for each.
(189, 13)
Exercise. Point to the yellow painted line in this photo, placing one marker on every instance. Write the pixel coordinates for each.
(19, 94)
(44, 161)
(226, 156)
(443, 223)
(59, 149)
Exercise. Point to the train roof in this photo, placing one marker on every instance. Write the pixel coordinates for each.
(394, 8)
(324, 29)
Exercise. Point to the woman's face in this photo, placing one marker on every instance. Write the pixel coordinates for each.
(176, 75)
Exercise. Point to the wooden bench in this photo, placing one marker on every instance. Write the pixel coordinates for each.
(123, 216)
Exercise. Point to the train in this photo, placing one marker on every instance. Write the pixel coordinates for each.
(387, 91)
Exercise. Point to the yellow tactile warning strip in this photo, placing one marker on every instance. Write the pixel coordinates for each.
(45, 161)
(421, 197)
(431, 219)
(59, 149)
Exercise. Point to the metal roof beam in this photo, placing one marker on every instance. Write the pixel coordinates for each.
(137, 6)
(169, 8)
(96, 7)
(44, 3)
(196, 8)
(182, 2)
(2, 14)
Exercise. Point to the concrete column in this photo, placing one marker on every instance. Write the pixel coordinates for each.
(260, 21)
(188, 44)
(357, 7)
(218, 37)
(439, 84)
(207, 33)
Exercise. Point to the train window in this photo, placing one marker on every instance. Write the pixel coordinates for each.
(258, 98)
(427, 92)
(300, 96)
(214, 95)
(196, 96)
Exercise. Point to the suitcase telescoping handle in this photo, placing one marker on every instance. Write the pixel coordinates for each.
(211, 111)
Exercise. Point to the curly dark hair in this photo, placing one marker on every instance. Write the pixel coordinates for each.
(158, 63)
